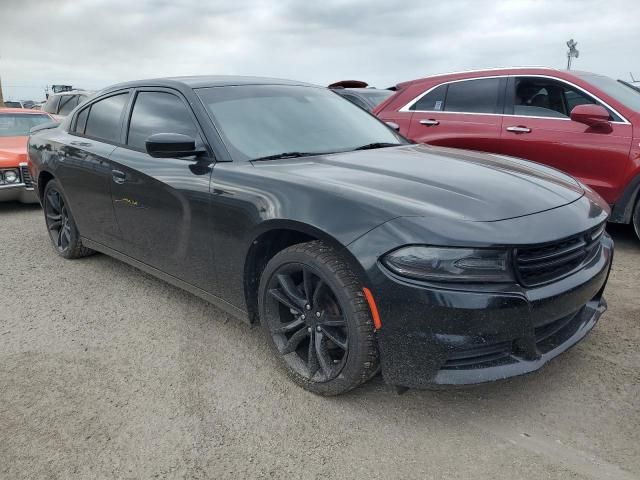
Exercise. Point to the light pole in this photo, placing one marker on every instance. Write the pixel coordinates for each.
(572, 53)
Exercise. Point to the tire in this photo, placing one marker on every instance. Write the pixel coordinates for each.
(317, 320)
(635, 218)
(62, 229)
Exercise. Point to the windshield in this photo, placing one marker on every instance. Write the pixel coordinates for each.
(19, 124)
(9, 104)
(262, 120)
(629, 97)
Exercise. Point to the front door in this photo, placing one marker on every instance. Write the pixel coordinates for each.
(539, 129)
(162, 204)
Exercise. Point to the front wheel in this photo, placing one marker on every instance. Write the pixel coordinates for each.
(316, 318)
(60, 224)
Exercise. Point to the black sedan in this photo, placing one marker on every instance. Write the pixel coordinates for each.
(287, 205)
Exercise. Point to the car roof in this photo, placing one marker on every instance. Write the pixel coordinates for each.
(22, 110)
(487, 71)
(72, 92)
(204, 81)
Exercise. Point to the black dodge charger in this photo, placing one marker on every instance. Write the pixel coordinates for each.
(356, 251)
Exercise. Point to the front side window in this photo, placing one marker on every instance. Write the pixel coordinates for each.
(105, 118)
(546, 97)
(158, 112)
(473, 96)
(263, 120)
(19, 124)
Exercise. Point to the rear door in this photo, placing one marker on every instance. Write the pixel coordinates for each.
(461, 114)
(162, 204)
(537, 127)
(85, 170)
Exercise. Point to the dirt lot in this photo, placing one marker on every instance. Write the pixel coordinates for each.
(106, 372)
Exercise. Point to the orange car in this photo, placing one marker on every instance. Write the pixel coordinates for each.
(15, 182)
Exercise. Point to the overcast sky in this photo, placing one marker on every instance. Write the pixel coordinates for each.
(95, 43)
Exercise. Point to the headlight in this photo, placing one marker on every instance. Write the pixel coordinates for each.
(11, 176)
(450, 264)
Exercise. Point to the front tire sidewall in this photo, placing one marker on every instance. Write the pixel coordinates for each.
(351, 374)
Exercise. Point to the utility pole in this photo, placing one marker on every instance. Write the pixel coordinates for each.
(572, 53)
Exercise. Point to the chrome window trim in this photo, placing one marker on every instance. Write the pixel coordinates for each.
(406, 108)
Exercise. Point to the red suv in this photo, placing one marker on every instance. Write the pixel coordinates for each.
(578, 122)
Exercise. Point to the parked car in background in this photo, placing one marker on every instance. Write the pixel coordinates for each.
(585, 124)
(285, 204)
(15, 181)
(59, 105)
(13, 104)
(359, 93)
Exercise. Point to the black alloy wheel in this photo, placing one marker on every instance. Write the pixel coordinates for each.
(57, 217)
(315, 314)
(60, 224)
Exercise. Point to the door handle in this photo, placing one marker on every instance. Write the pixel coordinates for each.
(519, 129)
(431, 122)
(118, 176)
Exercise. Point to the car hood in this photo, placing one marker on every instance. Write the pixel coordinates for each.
(425, 180)
(13, 151)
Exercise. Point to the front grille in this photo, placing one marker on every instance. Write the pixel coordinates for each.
(26, 176)
(553, 261)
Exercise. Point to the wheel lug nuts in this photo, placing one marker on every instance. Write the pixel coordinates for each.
(318, 314)
(318, 329)
(303, 317)
(308, 307)
(309, 329)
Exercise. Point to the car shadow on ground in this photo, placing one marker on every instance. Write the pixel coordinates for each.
(17, 207)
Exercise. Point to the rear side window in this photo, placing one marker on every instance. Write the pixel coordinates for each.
(81, 121)
(432, 101)
(473, 96)
(51, 105)
(67, 103)
(105, 116)
(158, 112)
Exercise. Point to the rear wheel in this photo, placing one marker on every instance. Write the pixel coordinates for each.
(314, 313)
(635, 219)
(60, 224)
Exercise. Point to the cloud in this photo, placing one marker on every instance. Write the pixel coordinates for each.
(95, 43)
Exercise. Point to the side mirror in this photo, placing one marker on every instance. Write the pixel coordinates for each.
(171, 145)
(590, 114)
(393, 125)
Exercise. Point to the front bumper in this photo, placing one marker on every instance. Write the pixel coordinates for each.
(436, 336)
(17, 193)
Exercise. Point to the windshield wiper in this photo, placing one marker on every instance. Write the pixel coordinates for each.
(371, 146)
(279, 156)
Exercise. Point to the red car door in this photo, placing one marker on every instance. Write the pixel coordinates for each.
(461, 114)
(538, 128)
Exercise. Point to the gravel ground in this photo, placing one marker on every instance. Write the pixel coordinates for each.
(106, 372)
